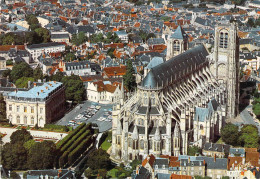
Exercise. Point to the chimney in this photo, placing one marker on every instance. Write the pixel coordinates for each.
(254, 172)
(38, 93)
(189, 160)
(215, 157)
(42, 91)
(34, 84)
(137, 170)
(243, 160)
(29, 84)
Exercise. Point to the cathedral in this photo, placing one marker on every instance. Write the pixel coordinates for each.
(180, 102)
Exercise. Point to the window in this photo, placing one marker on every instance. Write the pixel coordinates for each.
(25, 109)
(41, 110)
(25, 120)
(176, 45)
(163, 144)
(18, 108)
(10, 107)
(32, 120)
(223, 41)
(32, 109)
(141, 144)
(18, 119)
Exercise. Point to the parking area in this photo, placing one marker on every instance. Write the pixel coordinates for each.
(87, 112)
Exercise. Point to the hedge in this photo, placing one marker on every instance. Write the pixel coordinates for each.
(75, 137)
(78, 141)
(69, 136)
(56, 127)
(79, 150)
(63, 159)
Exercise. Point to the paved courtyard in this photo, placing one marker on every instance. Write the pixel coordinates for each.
(103, 125)
(36, 134)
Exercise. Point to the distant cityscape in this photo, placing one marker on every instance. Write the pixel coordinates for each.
(137, 89)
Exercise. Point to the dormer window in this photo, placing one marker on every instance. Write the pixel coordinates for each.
(163, 166)
(156, 166)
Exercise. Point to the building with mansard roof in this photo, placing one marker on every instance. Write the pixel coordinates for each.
(178, 102)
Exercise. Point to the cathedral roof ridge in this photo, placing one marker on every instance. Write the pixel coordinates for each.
(157, 76)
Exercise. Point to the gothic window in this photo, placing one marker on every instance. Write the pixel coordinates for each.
(153, 99)
(10, 107)
(158, 146)
(130, 143)
(176, 45)
(163, 144)
(141, 144)
(141, 122)
(223, 41)
(176, 143)
(118, 140)
(150, 144)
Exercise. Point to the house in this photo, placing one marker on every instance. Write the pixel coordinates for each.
(41, 103)
(118, 71)
(123, 36)
(37, 50)
(104, 91)
(80, 68)
(212, 149)
(61, 174)
(60, 37)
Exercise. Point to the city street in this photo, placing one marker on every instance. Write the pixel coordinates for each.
(103, 125)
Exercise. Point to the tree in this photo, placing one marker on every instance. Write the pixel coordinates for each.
(129, 78)
(79, 38)
(43, 34)
(6, 73)
(14, 156)
(249, 136)
(75, 90)
(14, 175)
(150, 35)
(42, 155)
(23, 82)
(28, 145)
(99, 159)
(230, 134)
(134, 163)
(70, 57)
(88, 172)
(8, 39)
(2, 109)
(110, 52)
(37, 74)
(21, 70)
(194, 150)
(102, 173)
(20, 136)
(57, 77)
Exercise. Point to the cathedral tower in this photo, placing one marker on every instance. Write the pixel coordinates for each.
(226, 64)
(177, 43)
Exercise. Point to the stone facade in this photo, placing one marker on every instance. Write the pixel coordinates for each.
(177, 103)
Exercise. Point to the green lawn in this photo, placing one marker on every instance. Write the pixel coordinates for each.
(105, 145)
(112, 173)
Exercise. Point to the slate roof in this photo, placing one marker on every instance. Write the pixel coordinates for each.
(162, 75)
(237, 152)
(44, 45)
(219, 164)
(179, 34)
(216, 147)
(59, 36)
(160, 162)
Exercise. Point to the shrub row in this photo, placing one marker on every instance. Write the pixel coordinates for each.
(56, 127)
(75, 137)
(79, 150)
(64, 158)
(78, 141)
(70, 135)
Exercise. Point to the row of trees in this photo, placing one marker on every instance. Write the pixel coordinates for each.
(24, 153)
(246, 137)
(110, 37)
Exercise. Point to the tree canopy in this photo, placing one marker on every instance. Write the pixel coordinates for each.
(249, 136)
(21, 70)
(70, 57)
(23, 82)
(79, 38)
(75, 90)
(230, 134)
(129, 78)
(99, 159)
(20, 136)
(194, 150)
